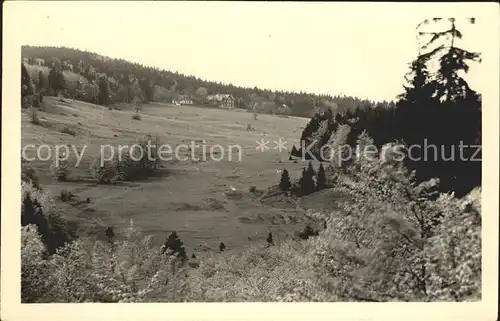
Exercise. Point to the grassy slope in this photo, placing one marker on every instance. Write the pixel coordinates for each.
(188, 197)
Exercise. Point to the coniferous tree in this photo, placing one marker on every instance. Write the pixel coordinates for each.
(174, 243)
(222, 246)
(285, 183)
(306, 181)
(56, 79)
(321, 182)
(270, 239)
(50, 227)
(110, 234)
(41, 82)
(41, 86)
(103, 91)
(436, 98)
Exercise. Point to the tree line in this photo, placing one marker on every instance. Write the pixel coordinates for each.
(118, 80)
(437, 108)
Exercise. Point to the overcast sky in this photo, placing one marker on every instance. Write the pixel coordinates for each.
(358, 49)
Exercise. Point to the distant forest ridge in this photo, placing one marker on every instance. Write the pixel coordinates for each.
(129, 81)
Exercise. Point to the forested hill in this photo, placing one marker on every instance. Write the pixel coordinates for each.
(166, 85)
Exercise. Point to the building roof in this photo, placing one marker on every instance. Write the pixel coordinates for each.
(219, 97)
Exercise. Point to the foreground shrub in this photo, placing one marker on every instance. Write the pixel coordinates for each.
(453, 255)
(28, 174)
(127, 271)
(279, 273)
(385, 244)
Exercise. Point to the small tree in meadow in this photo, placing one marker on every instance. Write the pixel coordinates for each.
(270, 239)
(110, 234)
(174, 243)
(285, 183)
(294, 152)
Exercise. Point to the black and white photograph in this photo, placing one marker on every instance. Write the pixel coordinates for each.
(246, 152)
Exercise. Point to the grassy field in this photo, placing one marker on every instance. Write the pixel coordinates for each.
(187, 196)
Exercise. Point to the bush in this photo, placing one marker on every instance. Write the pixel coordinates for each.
(307, 232)
(140, 167)
(252, 189)
(69, 131)
(65, 195)
(130, 270)
(136, 116)
(60, 168)
(130, 165)
(106, 173)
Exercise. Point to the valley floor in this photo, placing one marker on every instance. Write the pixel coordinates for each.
(189, 196)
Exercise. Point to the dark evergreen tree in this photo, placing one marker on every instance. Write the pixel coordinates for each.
(306, 182)
(174, 243)
(270, 239)
(438, 98)
(41, 86)
(193, 256)
(51, 228)
(110, 234)
(103, 91)
(222, 247)
(294, 152)
(41, 82)
(56, 79)
(285, 183)
(321, 182)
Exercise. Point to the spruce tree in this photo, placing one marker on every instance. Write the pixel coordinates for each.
(285, 183)
(110, 234)
(270, 239)
(103, 91)
(306, 181)
(321, 178)
(435, 98)
(50, 226)
(41, 82)
(41, 86)
(222, 246)
(56, 79)
(174, 243)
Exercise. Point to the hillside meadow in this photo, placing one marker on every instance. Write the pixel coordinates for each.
(186, 196)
